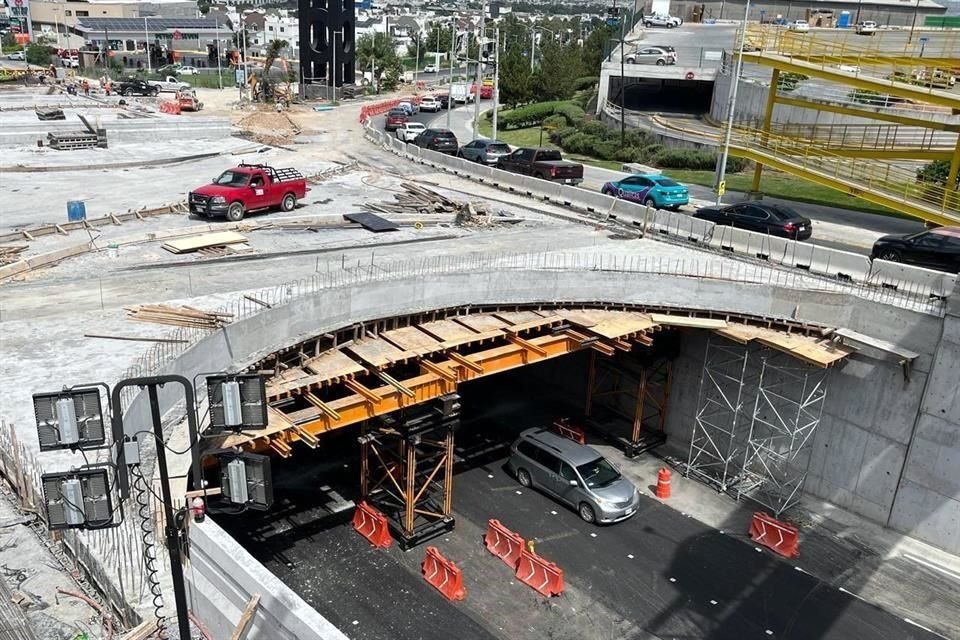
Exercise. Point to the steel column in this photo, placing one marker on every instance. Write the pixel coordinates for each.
(767, 118)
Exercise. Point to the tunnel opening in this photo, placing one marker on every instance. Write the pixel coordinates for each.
(664, 95)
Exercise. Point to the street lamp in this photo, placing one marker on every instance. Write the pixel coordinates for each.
(479, 74)
(731, 104)
(453, 38)
(533, 43)
(146, 43)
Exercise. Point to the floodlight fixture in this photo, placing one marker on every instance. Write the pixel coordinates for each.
(69, 419)
(246, 480)
(78, 499)
(237, 402)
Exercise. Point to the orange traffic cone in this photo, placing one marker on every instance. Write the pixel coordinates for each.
(663, 483)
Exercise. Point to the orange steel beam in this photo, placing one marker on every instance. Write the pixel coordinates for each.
(358, 407)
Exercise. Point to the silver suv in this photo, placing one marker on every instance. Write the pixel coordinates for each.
(574, 474)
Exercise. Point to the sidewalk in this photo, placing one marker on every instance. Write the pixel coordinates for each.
(903, 576)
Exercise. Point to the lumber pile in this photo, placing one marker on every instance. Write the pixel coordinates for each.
(206, 241)
(10, 253)
(178, 316)
(417, 200)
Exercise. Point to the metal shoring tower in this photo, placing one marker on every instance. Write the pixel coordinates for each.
(718, 445)
(786, 413)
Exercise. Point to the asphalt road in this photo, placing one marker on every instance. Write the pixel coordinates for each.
(660, 574)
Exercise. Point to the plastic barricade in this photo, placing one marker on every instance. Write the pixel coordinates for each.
(372, 525)
(841, 265)
(543, 576)
(779, 537)
(503, 543)
(572, 431)
(443, 575)
(909, 279)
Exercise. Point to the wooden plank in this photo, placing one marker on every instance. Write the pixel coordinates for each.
(411, 340)
(476, 337)
(813, 350)
(377, 352)
(144, 630)
(684, 321)
(535, 323)
(579, 317)
(333, 364)
(518, 317)
(193, 243)
(737, 332)
(240, 632)
(447, 330)
(481, 322)
(618, 324)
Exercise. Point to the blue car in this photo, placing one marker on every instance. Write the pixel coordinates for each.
(651, 189)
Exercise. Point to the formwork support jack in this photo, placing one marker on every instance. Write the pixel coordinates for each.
(406, 469)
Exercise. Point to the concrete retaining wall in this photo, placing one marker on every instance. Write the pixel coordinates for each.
(222, 578)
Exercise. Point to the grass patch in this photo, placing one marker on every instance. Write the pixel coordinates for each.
(780, 185)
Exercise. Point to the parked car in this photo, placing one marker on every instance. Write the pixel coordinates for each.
(866, 28)
(188, 71)
(16, 55)
(799, 25)
(774, 219)
(485, 151)
(248, 187)
(546, 164)
(652, 190)
(661, 20)
(170, 84)
(136, 87)
(441, 140)
(651, 55)
(410, 130)
(429, 103)
(573, 473)
(396, 117)
(934, 249)
(430, 68)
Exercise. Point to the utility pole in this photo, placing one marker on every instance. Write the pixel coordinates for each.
(533, 46)
(623, 89)
(416, 62)
(453, 37)
(731, 103)
(476, 97)
(219, 56)
(496, 81)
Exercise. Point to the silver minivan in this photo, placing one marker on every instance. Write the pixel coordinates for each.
(574, 474)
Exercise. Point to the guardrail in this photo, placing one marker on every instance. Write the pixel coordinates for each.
(912, 284)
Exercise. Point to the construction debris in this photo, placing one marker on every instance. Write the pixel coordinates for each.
(419, 200)
(69, 140)
(205, 241)
(178, 316)
(10, 253)
(50, 114)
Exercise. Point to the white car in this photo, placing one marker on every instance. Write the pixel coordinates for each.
(410, 130)
(170, 85)
(799, 25)
(866, 28)
(661, 20)
(429, 103)
(16, 55)
(187, 71)
(430, 68)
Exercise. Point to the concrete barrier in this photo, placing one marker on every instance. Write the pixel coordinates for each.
(509, 181)
(592, 201)
(223, 577)
(842, 265)
(902, 277)
(430, 157)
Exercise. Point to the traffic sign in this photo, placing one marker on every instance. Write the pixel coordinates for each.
(19, 3)
(722, 187)
(177, 35)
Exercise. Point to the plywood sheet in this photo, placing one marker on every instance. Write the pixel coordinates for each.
(411, 340)
(333, 364)
(473, 337)
(618, 324)
(193, 243)
(684, 321)
(518, 317)
(481, 322)
(580, 317)
(447, 330)
(377, 352)
(814, 350)
(535, 323)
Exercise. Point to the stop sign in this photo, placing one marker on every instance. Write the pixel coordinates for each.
(176, 34)
(19, 3)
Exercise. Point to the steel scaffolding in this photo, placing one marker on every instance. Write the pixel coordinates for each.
(758, 410)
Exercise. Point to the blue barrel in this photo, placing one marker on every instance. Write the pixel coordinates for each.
(76, 210)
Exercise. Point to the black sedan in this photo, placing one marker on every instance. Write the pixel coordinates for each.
(935, 249)
(773, 219)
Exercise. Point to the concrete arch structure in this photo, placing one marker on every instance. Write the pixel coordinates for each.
(882, 437)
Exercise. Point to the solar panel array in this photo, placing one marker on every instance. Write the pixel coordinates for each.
(152, 23)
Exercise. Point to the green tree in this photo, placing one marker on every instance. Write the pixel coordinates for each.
(559, 67)
(39, 54)
(595, 49)
(516, 85)
(203, 6)
(378, 52)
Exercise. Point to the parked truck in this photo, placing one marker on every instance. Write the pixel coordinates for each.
(546, 164)
(170, 84)
(246, 188)
(461, 93)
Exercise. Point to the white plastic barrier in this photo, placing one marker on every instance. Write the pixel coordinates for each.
(904, 277)
(842, 265)
(397, 145)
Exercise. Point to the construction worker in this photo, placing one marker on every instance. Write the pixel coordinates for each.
(85, 85)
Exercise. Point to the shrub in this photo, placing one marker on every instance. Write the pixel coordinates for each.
(586, 82)
(573, 113)
(527, 116)
(596, 129)
(789, 80)
(685, 159)
(556, 121)
(651, 150)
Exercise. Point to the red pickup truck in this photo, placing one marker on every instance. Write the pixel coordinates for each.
(248, 187)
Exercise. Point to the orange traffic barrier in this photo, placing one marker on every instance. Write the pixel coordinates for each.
(543, 576)
(663, 483)
(171, 107)
(777, 536)
(567, 430)
(372, 525)
(443, 574)
(503, 543)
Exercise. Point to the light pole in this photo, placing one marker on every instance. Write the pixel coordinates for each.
(533, 41)
(476, 98)
(496, 80)
(146, 42)
(56, 23)
(913, 25)
(453, 37)
(731, 104)
(623, 91)
(219, 57)
(333, 72)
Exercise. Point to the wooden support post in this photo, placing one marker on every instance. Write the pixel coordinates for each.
(364, 463)
(638, 408)
(411, 488)
(240, 632)
(448, 475)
